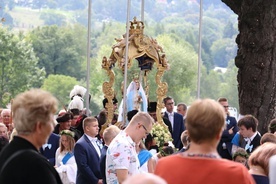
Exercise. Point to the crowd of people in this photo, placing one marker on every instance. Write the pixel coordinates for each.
(40, 144)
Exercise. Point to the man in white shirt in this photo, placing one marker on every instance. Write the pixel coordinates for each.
(121, 157)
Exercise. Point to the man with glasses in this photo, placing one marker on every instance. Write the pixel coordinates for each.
(176, 120)
(231, 128)
(121, 157)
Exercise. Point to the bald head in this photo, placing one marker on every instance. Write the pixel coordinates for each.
(144, 178)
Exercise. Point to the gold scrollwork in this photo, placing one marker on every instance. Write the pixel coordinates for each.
(148, 50)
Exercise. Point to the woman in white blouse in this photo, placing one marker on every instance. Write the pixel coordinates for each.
(65, 161)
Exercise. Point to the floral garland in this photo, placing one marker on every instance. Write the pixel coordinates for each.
(161, 134)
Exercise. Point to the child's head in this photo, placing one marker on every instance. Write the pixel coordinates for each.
(240, 156)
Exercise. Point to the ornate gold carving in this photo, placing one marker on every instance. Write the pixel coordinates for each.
(108, 92)
(162, 87)
(146, 84)
(147, 51)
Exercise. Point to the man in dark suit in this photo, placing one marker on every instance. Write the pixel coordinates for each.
(248, 130)
(176, 121)
(87, 153)
(225, 146)
(49, 149)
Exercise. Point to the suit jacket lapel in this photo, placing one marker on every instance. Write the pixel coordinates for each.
(166, 115)
(91, 145)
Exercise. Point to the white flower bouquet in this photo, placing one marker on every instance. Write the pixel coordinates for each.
(161, 134)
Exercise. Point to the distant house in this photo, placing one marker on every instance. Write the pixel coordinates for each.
(220, 69)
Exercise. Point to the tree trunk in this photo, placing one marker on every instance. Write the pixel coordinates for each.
(256, 58)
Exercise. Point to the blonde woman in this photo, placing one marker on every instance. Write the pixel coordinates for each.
(259, 162)
(65, 161)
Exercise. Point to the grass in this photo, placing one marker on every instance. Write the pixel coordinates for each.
(26, 18)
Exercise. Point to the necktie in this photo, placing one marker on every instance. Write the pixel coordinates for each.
(248, 146)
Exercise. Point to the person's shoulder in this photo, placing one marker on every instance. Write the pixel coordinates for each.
(235, 170)
(31, 153)
(58, 150)
(54, 137)
(119, 142)
(232, 119)
(171, 159)
(24, 157)
(81, 139)
(178, 115)
(81, 143)
(230, 165)
(256, 140)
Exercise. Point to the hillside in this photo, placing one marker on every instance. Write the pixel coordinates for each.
(26, 18)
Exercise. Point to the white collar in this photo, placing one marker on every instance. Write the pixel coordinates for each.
(172, 113)
(91, 138)
(252, 137)
(128, 138)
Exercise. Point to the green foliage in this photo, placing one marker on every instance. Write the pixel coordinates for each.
(210, 84)
(52, 18)
(61, 50)
(115, 10)
(111, 30)
(60, 86)
(229, 88)
(212, 29)
(18, 67)
(229, 30)
(223, 50)
(182, 74)
(217, 84)
(159, 29)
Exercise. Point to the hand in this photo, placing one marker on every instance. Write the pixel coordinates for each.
(230, 131)
(100, 181)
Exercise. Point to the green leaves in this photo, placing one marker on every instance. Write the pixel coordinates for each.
(60, 86)
(60, 49)
(18, 66)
